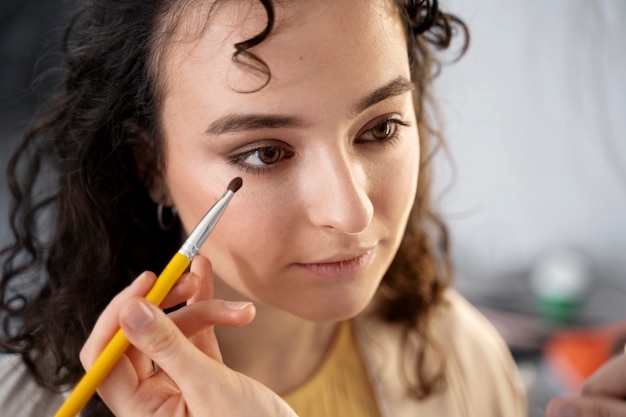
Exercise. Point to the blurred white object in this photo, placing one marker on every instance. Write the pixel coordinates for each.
(559, 282)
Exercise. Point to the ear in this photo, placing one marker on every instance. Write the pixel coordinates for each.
(149, 166)
(160, 192)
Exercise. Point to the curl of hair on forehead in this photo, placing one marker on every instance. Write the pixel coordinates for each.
(170, 18)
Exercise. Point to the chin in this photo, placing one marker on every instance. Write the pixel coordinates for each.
(332, 309)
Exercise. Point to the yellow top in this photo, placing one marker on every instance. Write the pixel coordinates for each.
(340, 387)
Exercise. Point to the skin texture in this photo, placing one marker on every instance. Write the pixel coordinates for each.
(308, 237)
(602, 395)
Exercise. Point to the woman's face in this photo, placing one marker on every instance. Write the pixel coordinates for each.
(328, 150)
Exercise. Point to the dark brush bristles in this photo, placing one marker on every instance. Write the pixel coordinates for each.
(235, 184)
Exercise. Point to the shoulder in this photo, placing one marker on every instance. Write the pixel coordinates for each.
(481, 368)
(463, 328)
(20, 395)
(469, 335)
(482, 377)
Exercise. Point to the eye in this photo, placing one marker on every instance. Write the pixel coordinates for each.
(381, 131)
(265, 156)
(261, 158)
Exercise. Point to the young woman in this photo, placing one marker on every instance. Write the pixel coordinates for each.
(333, 261)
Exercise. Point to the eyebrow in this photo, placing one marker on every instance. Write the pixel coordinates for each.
(395, 87)
(237, 122)
(244, 122)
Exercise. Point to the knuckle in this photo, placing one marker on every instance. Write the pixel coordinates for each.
(162, 344)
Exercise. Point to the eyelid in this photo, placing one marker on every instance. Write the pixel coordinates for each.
(387, 118)
(394, 119)
(238, 157)
(255, 145)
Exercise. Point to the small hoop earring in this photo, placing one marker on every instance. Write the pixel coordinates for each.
(172, 217)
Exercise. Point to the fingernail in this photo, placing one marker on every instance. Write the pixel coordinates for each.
(187, 280)
(139, 317)
(187, 277)
(237, 305)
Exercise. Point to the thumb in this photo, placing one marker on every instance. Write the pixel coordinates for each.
(151, 331)
(207, 386)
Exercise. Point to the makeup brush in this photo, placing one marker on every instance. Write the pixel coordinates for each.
(114, 350)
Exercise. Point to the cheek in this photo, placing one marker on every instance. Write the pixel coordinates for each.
(195, 179)
(409, 173)
(396, 182)
(249, 241)
(192, 197)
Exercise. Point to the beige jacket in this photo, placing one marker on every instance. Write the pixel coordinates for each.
(483, 379)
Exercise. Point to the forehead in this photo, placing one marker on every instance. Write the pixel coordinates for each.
(317, 41)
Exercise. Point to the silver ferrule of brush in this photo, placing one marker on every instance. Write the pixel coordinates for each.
(205, 226)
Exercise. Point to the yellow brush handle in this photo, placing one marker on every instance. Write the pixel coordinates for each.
(114, 350)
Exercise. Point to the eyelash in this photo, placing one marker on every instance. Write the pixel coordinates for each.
(238, 159)
(393, 135)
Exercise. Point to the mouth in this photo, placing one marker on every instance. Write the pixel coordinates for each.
(339, 266)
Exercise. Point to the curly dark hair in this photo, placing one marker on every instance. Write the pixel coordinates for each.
(83, 221)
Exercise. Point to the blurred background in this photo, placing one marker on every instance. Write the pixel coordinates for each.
(533, 188)
(30, 35)
(535, 191)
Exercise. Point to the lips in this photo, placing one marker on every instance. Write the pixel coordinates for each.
(340, 266)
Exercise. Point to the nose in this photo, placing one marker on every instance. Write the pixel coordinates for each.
(338, 197)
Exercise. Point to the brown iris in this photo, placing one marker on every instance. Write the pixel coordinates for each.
(382, 130)
(270, 155)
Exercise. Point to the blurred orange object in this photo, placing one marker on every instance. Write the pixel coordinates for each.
(573, 355)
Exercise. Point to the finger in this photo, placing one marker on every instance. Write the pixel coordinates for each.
(201, 266)
(138, 363)
(107, 324)
(186, 286)
(187, 321)
(586, 406)
(195, 285)
(152, 332)
(609, 380)
(129, 391)
(203, 337)
(197, 322)
(197, 317)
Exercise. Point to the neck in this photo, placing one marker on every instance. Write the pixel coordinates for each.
(277, 349)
